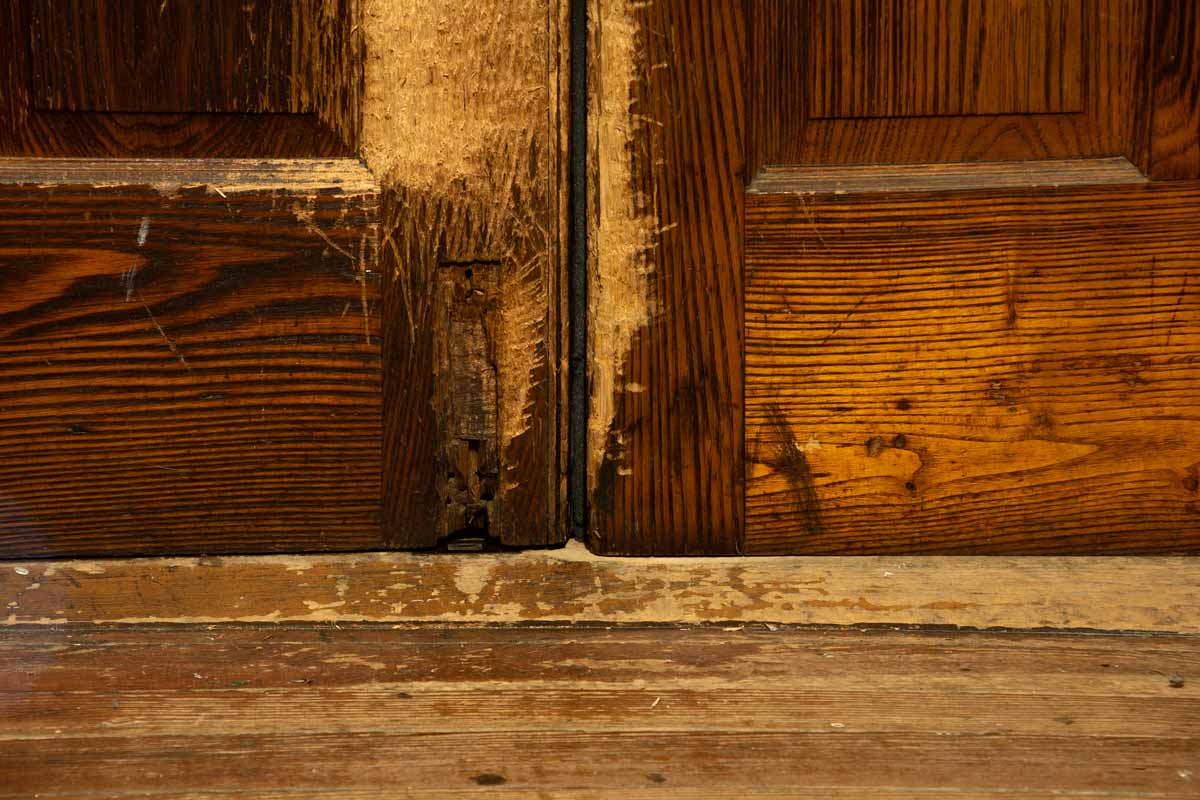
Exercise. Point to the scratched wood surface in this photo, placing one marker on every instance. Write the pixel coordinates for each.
(465, 128)
(988, 371)
(665, 328)
(570, 585)
(146, 78)
(270, 711)
(189, 357)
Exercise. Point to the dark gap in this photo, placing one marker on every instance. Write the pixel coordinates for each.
(577, 248)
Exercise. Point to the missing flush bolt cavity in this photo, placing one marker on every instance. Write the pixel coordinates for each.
(467, 396)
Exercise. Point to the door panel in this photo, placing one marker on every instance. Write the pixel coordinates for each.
(188, 370)
(279, 275)
(967, 314)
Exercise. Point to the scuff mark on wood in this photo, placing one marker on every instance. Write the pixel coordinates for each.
(791, 461)
(624, 230)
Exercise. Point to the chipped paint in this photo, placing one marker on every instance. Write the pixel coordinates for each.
(624, 230)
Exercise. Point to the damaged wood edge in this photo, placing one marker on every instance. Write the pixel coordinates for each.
(171, 175)
(571, 586)
(462, 124)
(622, 228)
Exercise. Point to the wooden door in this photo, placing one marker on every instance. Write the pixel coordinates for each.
(895, 276)
(241, 311)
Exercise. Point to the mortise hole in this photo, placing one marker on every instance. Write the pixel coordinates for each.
(470, 274)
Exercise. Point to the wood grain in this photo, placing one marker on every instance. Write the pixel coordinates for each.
(193, 711)
(900, 58)
(188, 369)
(973, 372)
(1175, 126)
(96, 79)
(573, 586)
(464, 125)
(666, 423)
(1108, 36)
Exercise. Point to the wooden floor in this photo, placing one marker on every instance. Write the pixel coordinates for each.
(355, 707)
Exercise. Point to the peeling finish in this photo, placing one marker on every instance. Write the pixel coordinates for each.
(570, 585)
(624, 229)
(172, 176)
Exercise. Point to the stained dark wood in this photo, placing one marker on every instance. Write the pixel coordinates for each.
(150, 79)
(1175, 98)
(203, 711)
(900, 58)
(665, 478)
(188, 369)
(973, 371)
(942, 99)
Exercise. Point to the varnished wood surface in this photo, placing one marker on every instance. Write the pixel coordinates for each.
(98, 78)
(573, 586)
(1175, 91)
(788, 52)
(271, 711)
(665, 478)
(900, 58)
(989, 372)
(188, 369)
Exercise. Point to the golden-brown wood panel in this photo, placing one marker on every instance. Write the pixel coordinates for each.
(195, 711)
(785, 51)
(984, 371)
(906, 58)
(188, 369)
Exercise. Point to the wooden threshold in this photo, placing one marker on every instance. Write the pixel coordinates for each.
(570, 585)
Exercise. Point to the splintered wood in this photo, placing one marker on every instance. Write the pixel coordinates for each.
(462, 123)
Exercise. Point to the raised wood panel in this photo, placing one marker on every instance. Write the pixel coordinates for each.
(188, 369)
(148, 79)
(145, 55)
(900, 58)
(665, 286)
(1099, 118)
(986, 371)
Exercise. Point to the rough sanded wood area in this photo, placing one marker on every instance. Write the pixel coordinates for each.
(375, 712)
(570, 585)
(464, 125)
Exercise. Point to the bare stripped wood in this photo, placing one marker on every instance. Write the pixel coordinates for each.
(900, 58)
(974, 372)
(1175, 127)
(580, 713)
(464, 126)
(569, 585)
(189, 362)
(665, 327)
(788, 53)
